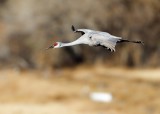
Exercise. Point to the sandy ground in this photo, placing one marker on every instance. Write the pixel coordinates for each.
(67, 91)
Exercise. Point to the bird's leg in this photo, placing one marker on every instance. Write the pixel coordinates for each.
(122, 40)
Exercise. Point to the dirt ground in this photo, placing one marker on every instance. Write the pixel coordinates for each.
(66, 91)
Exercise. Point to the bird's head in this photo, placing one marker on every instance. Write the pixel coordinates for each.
(54, 45)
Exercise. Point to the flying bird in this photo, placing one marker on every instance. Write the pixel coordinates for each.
(94, 38)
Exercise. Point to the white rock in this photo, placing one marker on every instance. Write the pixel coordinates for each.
(101, 97)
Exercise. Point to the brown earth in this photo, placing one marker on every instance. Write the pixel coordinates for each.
(67, 91)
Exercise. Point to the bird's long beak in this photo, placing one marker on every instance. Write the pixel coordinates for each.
(50, 47)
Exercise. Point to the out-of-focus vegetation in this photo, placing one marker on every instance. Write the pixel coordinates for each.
(27, 27)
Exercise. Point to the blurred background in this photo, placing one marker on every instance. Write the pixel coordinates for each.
(36, 81)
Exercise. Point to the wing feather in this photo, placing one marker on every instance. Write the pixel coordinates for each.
(107, 41)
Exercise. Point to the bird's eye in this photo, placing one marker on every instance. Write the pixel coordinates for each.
(55, 44)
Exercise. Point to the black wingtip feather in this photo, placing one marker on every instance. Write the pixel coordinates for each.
(73, 28)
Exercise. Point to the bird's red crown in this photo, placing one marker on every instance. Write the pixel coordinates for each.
(55, 44)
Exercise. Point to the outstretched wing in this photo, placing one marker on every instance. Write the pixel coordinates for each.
(105, 40)
(77, 31)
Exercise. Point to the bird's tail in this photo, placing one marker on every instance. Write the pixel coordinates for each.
(122, 40)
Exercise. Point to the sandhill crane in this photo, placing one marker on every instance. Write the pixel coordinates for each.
(94, 38)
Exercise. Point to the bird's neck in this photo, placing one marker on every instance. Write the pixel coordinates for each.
(76, 42)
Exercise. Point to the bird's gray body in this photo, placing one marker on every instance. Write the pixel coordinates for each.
(98, 38)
